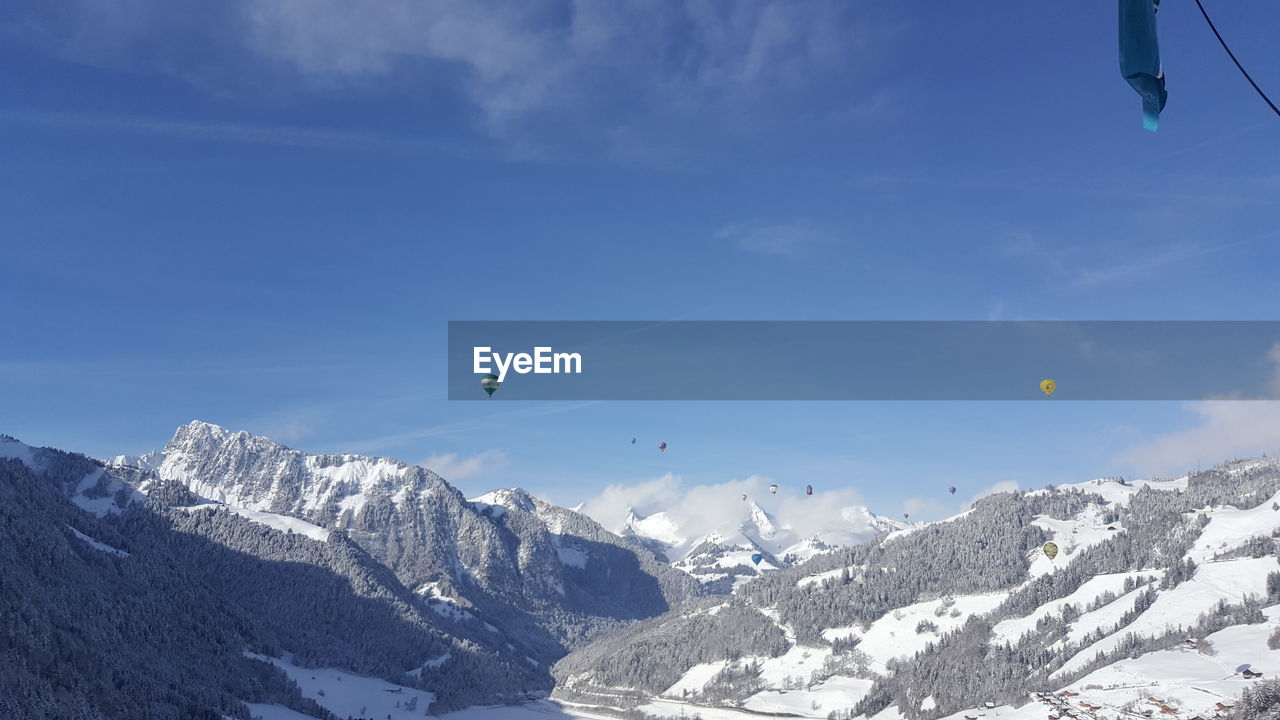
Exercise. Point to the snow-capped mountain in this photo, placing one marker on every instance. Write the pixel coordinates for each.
(1158, 596)
(722, 559)
(190, 611)
(228, 569)
(515, 570)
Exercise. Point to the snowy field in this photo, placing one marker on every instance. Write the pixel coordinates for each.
(542, 710)
(1229, 580)
(894, 634)
(346, 694)
(1012, 629)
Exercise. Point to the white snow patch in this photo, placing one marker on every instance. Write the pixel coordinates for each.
(540, 710)
(695, 678)
(894, 634)
(573, 557)
(433, 662)
(16, 450)
(837, 693)
(1086, 529)
(854, 571)
(283, 523)
(95, 544)
(1230, 528)
(106, 503)
(445, 606)
(355, 695)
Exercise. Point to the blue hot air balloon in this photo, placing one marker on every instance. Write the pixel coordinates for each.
(952, 489)
(756, 558)
(633, 441)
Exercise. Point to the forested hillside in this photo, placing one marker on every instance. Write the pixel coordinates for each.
(940, 619)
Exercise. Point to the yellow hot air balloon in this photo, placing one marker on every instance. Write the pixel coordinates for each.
(1051, 550)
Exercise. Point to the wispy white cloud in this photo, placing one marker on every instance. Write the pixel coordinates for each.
(614, 68)
(1225, 429)
(1081, 268)
(286, 136)
(718, 507)
(924, 509)
(995, 489)
(288, 426)
(452, 466)
(466, 427)
(785, 239)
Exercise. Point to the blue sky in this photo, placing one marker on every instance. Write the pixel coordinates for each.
(263, 214)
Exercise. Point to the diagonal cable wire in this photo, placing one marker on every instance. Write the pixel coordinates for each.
(1244, 72)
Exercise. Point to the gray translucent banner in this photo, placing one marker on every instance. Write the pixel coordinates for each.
(701, 360)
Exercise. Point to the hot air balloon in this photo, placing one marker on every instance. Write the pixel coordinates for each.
(633, 441)
(1051, 550)
(489, 383)
(662, 446)
(756, 558)
(906, 515)
(808, 489)
(773, 489)
(744, 497)
(952, 489)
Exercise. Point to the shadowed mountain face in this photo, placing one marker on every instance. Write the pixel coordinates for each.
(124, 592)
(544, 576)
(142, 611)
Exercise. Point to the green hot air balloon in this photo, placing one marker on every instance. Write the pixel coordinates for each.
(1051, 550)
(489, 383)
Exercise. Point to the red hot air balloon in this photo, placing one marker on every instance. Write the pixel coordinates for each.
(662, 446)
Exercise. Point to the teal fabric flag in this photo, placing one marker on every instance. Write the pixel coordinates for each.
(1140, 57)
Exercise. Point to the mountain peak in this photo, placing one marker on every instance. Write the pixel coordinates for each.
(511, 498)
(257, 473)
(762, 521)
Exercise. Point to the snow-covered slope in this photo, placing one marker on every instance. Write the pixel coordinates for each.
(1160, 588)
